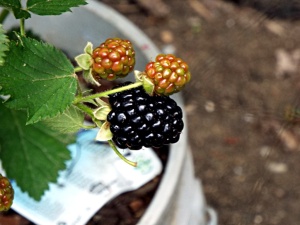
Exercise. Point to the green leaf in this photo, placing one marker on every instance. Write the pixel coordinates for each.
(21, 13)
(16, 7)
(39, 78)
(52, 7)
(31, 155)
(3, 45)
(70, 121)
(10, 3)
(63, 138)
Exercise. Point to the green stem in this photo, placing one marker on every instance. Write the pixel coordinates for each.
(3, 15)
(87, 127)
(79, 90)
(22, 27)
(112, 145)
(89, 112)
(109, 92)
(78, 69)
(85, 109)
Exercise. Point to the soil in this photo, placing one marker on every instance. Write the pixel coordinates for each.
(242, 101)
(241, 104)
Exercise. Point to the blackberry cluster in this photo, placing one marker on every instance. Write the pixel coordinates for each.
(138, 120)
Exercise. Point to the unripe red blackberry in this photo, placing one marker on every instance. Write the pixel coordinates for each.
(114, 58)
(168, 73)
(138, 120)
(6, 194)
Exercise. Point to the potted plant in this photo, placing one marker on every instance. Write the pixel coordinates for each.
(51, 92)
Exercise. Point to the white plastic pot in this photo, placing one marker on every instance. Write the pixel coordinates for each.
(179, 199)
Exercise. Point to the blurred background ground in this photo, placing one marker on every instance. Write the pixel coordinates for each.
(242, 102)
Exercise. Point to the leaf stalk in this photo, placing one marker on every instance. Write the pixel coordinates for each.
(22, 27)
(85, 109)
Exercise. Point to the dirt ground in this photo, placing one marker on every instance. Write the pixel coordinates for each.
(242, 101)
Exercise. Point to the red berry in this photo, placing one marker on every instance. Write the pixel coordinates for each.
(114, 58)
(168, 73)
(6, 194)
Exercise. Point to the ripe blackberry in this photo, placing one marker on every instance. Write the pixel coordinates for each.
(114, 58)
(6, 194)
(138, 120)
(168, 73)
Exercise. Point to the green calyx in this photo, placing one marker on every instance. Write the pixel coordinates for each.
(99, 116)
(147, 83)
(104, 134)
(85, 62)
(101, 112)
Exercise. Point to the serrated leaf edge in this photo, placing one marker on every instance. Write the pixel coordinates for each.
(67, 8)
